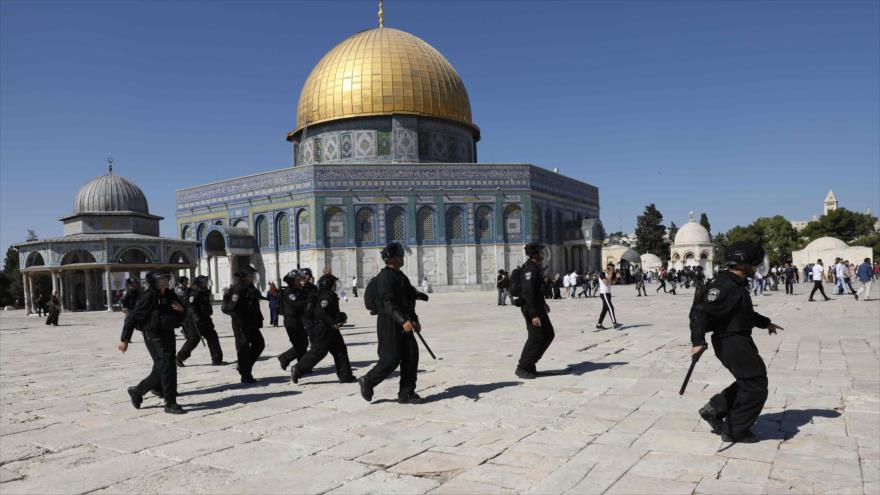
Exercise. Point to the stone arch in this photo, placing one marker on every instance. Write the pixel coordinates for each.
(302, 226)
(282, 230)
(218, 223)
(365, 226)
(334, 227)
(215, 243)
(261, 231)
(425, 229)
(77, 256)
(395, 224)
(179, 257)
(186, 233)
(200, 232)
(240, 223)
(483, 224)
(513, 224)
(455, 228)
(134, 255)
(34, 258)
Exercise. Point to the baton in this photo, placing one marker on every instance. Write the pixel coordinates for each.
(419, 334)
(687, 378)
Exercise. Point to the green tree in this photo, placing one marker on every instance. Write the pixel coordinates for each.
(720, 243)
(651, 233)
(775, 234)
(872, 241)
(841, 223)
(10, 281)
(704, 221)
(673, 230)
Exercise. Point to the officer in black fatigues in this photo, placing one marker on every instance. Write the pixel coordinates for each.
(199, 324)
(534, 311)
(53, 309)
(293, 304)
(157, 313)
(247, 319)
(725, 308)
(325, 334)
(395, 324)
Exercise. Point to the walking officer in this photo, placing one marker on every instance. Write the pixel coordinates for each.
(157, 313)
(199, 326)
(325, 334)
(243, 304)
(724, 307)
(293, 304)
(534, 310)
(395, 300)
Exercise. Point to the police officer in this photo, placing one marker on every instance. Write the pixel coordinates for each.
(157, 313)
(131, 295)
(181, 289)
(325, 334)
(53, 308)
(247, 319)
(534, 311)
(395, 323)
(724, 307)
(293, 305)
(308, 293)
(199, 325)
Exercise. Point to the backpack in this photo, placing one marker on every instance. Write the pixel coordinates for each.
(370, 297)
(227, 305)
(516, 286)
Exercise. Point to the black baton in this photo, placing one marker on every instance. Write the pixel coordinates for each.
(419, 334)
(687, 378)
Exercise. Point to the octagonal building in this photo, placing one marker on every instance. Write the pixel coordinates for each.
(385, 149)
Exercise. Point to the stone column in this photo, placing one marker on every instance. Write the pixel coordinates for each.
(88, 284)
(54, 276)
(107, 288)
(192, 274)
(26, 282)
(61, 291)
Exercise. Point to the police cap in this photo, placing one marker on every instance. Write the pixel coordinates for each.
(393, 250)
(182, 280)
(744, 253)
(245, 271)
(293, 275)
(155, 275)
(202, 281)
(533, 248)
(327, 281)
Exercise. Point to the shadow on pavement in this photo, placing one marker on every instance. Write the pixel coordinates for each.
(786, 424)
(238, 399)
(580, 368)
(472, 392)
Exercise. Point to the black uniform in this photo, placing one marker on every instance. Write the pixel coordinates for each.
(539, 338)
(293, 305)
(199, 325)
(247, 319)
(326, 337)
(154, 315)
(395, 301)
(725, 309)
(53, 308)
(39, 302)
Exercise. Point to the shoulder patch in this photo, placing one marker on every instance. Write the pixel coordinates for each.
(528, 275)
(324, 303)
(192, 298)
(713, 294)
(235, 298)
(292, 297)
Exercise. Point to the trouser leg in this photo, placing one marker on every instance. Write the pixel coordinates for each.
(500, 295)
(257, 344)
(339, 351)
(317, 352)
(848, 283)
(152, 381)
(299, 342)
(867, 288)
(608, 308)
(409, 364)
(746, 406)
(192, 340)
(537, 342)
(213, 340)
(164, 366)
(241, 348)
(388, 349)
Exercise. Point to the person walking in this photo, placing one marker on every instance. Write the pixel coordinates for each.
(726, 310)
(848, 275)
(198, 325)
(272, 296)
(789, 273)
(606, 280)
(354, 286)
(53, 309)
(572, 284)
(535, 311)
(865, 276)
(243, 305)
(661, 277)
(639, 278)
(818, 273)
(502, 284)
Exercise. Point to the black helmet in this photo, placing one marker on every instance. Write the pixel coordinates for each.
(292, 276)
(202, 281)
(155, 275)
(132, 281)
(392, 250)
(182, 280)
(326, 282)
(744, 253)
(307, 272)
(245, 271)
(533, 248)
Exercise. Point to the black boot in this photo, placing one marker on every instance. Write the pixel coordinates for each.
(412, 398)
(136, 397)
(525, 374)
(366, 389)
(174, 409)
(710, 415)
(295, 375)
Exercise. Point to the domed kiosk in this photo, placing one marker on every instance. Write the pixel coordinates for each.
(110, 236)
(827, 249)
(692, 247)
(385, 149)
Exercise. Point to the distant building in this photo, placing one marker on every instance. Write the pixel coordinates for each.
(692, 246)
(827, 249)
(830, 204)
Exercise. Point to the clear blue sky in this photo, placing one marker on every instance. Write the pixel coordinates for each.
(738, 109)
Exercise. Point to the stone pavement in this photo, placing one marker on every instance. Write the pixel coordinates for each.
(610, 421)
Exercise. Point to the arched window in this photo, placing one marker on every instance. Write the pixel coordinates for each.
(395, 225)
(218, 222)
(512, 224)
(134, 255)
(425, 225)
(240, 223)
(200, 232)
(302, 226)
(261, 228)
(334, 227)
(454, 224)
(282, 230)
(186, 233)
(77, 256)
(34, 259)
(483, 222)
(366, 226)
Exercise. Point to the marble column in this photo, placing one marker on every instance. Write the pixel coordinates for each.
(26, 282)
(54, 276)
(61, 291)
(88, 284)
(107, 288)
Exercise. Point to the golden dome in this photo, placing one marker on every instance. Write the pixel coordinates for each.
(382, 71)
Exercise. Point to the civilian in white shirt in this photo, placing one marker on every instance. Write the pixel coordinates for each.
(573, 283)
(566, 282)
(606, 279)
(354, 285)
(818, 270)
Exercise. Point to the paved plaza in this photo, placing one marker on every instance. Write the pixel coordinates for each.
(608, 421)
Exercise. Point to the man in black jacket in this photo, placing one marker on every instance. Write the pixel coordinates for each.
(157, 313)
(502, 283)
(535, 312)
(199, 325)
(724, 307)
(293, 302)
(396, 321)
(247, 319)
(325, 334)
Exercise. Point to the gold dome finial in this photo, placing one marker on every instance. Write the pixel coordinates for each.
(381, 15)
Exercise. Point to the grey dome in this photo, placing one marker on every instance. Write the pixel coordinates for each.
(110, 193)
(632, 256)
